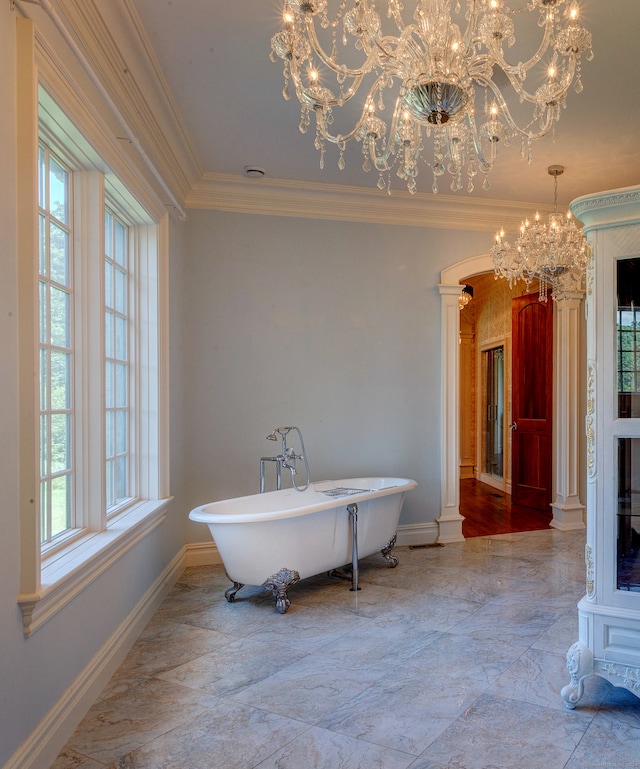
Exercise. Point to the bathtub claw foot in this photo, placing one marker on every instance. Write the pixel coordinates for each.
(386, 552)
(278, 584)
(230, 593)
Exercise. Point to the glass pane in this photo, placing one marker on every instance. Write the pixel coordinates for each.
(629, 514)
(121, 250)
(495, 412)
(44, 313)
(42, 245)
(42, 175)
(121, 338)
(121, 385)
(121, 478)
(59, 255)
(108, 234)
(45, 496)
(628, 337)
(59, 317)
(109, 434)
(109, 484)
(44, 378)
(58, 192)
(44, 445)
(121, 432)
(121, 291)
(60, 504)
(60, 380)
(108, 385)
(108, 284)
(60, 442)
(108, 334)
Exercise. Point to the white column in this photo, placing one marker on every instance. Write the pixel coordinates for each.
(568, 510)
(450, 520)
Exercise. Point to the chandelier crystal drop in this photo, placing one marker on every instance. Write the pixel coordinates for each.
(437, 70)
(553, 252)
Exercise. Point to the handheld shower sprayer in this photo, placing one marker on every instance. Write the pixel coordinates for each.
(287, 458)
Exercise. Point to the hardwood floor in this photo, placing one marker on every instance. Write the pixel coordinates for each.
(487, 510)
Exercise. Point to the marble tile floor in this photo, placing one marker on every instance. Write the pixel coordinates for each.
(453, 660)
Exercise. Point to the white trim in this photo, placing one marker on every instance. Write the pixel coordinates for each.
(450, 520)
(202, 554)
(71, 570)
(417, 534)
(49, 737)
(281, 197)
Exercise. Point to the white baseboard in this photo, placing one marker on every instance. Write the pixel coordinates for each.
(45, 742)
(417, 534)
(202, 554)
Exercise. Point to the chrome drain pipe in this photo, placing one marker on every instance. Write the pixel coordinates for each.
(353, 513)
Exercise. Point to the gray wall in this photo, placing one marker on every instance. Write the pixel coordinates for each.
(331, 326)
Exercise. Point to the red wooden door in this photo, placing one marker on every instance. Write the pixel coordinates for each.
(532, 401)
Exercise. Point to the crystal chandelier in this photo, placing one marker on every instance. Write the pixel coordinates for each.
(441, 82)
(553, 252)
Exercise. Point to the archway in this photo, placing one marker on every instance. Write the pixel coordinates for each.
(568, 511)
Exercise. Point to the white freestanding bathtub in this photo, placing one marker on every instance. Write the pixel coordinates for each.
(275, 539)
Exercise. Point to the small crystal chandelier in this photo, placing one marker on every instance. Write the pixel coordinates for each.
(442, 83)
(553, 252)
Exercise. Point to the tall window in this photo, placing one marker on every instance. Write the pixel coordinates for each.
(56, 347)
(117, 369)
(92, 281)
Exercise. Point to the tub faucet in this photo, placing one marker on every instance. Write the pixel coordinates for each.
(287, 459)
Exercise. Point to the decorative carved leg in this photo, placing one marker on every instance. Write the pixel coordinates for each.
(278, 584)
(579, 665)
(386, 552)
(230, 593)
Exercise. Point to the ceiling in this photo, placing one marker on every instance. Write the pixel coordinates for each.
(215, 57)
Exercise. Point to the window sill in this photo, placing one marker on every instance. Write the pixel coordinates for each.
(71, 569)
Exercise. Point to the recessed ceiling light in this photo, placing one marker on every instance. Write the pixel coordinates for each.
(255, 172)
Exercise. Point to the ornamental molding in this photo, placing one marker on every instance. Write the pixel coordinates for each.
(591, 580)
(116, 50)
(591, 264)
(619, 675)
(608, 208)
(282, 197)
(590, 419)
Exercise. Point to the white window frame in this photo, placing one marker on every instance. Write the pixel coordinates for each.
(50, 579)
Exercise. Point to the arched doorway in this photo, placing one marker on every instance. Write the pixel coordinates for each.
(568, 511)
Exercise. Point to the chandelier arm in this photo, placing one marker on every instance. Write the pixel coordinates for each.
(495, 49)
(342, 138)
(311, 99)
(326, 59)
(525, 132)
(485, 165)
(469, 38)
(381, 162)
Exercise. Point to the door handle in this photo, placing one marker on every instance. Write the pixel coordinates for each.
(514, 426)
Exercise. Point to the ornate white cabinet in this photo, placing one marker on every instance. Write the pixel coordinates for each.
(609, 614)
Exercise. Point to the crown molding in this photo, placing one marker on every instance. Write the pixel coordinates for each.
(281, 197)
(115, 43)
(610, 208)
